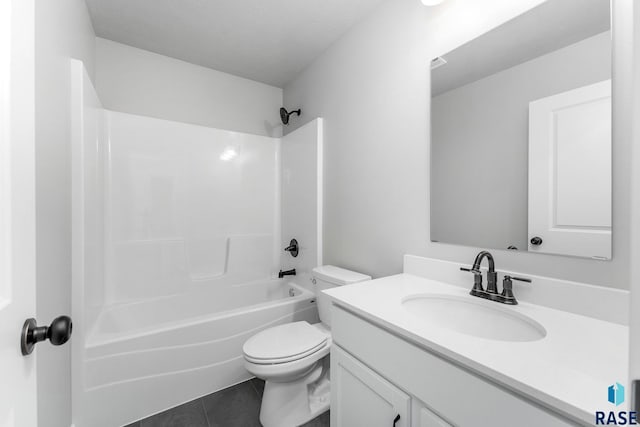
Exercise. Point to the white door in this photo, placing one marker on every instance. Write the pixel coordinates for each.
(570, 172)
(362, 398)
(630, 10)
(17, 211)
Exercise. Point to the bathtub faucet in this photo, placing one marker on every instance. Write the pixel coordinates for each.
(291, 272)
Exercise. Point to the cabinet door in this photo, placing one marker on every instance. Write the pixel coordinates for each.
(362, 398)
(426, 418)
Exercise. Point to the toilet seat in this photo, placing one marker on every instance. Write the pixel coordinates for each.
(285, 343)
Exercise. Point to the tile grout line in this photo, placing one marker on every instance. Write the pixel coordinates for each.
(253, 386)
(204, 408)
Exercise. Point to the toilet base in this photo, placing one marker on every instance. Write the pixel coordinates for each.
(291, 404)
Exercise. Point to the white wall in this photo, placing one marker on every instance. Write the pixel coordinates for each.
(137, 81)
(480, 135)
(372, 88)
(63, 30)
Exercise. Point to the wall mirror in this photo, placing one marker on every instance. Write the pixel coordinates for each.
(521, 134)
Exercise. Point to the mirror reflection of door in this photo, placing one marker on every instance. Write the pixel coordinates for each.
(481, 173)
(570, 172)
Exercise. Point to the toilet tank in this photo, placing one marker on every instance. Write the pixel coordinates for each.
(327, 277)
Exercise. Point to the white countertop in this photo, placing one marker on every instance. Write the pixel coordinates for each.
(568, 370)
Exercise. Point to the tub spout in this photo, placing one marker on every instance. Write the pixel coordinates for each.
(291, 272)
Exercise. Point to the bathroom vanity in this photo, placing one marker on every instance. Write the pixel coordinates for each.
(486, 365)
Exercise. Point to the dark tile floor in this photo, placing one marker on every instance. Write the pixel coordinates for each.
(237, 406)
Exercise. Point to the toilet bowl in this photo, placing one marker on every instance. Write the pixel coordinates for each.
(293, 358)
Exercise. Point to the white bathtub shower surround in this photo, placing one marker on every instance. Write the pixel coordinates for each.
(301, 206)
(126, 322)
(187, 206)
(146, 357)
(88, 149)
(176, 243)
(87, 191)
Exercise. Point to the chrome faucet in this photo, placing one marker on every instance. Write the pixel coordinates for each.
(491, 293)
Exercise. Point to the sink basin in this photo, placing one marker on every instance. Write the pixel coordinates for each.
(474, 317)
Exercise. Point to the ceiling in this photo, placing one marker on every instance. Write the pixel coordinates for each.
(552, 25)
(270, 41)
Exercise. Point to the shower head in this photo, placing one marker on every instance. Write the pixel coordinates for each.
(284, 115)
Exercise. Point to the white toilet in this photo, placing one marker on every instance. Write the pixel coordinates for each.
(292, 358)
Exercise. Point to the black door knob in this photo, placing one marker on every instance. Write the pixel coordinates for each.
(536, 241)
(57, 333)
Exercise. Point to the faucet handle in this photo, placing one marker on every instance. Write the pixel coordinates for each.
(507, 296)
(477, 280)
(521, 279)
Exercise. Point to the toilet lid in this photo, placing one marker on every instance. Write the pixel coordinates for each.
(284, 343)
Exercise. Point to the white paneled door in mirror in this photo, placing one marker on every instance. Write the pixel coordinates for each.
(570, 172)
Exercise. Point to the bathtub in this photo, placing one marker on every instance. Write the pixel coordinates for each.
(163, 352)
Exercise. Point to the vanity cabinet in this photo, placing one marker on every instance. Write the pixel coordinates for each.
(377, 375)
(364, 398)
(425, 418)
(361, 397)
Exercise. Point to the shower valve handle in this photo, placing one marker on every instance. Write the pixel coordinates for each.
(293, 248)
